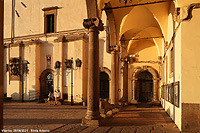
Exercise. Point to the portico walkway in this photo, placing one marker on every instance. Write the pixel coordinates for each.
(67, 118)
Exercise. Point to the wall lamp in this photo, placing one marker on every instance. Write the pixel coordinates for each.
(69, 66)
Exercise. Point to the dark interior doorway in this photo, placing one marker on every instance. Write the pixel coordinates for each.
(104, 85)
(49, 84)
(144, 90)
(46, 83)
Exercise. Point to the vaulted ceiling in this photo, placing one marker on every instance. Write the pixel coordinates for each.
(140, 26)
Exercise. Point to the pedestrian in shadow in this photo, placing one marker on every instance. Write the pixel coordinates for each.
(50, 97)
(58, 94)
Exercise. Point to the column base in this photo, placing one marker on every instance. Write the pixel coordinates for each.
(134, 101)
(84, 103)
(91, 115)
(156, 103)
(86, 122)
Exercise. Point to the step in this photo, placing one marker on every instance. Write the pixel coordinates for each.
(144, 105)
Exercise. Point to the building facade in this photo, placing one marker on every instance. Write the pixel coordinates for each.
(45, 33)
(147, 52)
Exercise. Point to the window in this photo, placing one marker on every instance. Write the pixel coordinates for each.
(50, 19)
(50, 27)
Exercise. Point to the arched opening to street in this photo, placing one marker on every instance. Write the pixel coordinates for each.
(144, 87)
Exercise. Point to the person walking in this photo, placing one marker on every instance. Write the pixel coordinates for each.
(58, 94)
(50, 97)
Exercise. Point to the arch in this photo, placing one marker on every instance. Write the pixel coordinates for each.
(139, 45)
(42, 79)
(106, 70)
(134, 20)
(156, 80)
(112, 25)
(150, 31)
(150, 69)
(144, 89)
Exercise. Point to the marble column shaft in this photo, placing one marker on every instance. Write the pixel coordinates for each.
(93, 75)
(125, 81)
(114, 78)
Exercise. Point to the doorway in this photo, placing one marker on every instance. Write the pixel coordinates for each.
(104, 85)
(144, 89)
(46, 83)
(49, 84)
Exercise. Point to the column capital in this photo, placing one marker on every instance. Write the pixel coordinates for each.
(156, 79)
(124, 59)
(93, 22)
(114, 52)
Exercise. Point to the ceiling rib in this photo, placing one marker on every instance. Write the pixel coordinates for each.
(141, 4)
(141, 38)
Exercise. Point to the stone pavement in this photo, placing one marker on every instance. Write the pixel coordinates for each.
(67, 119)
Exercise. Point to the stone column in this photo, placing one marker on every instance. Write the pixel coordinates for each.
(134, 82)
(1, 62)
(155, 91)
(93, 115)
(114, 78)
(125, 81)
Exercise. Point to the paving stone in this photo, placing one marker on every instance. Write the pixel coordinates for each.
(172, 128)
(134, 129)
(65, 128)
(102, 130)
(143, 129)
(77, 129)
(115, 130)
(128, 130)
(89, 129)
(67, 118)
(158, 129)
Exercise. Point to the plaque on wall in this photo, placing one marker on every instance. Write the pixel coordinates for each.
(171, 93)
(162, 91)
(165, 92)
(176, 94)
